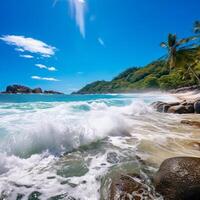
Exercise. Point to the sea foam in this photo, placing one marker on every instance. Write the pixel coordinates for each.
(62, 127)
(34, 136)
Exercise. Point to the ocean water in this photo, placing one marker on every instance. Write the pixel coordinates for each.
(69, 147)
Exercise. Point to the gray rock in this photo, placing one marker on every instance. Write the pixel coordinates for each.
(164, 107)
(197, 107)
(34, 195)
(180, 109)
(183, 107)
(190, 108)
(179, 178)
(113, 158)
(186, 89)
(160, 106)
(192, 193)
(129, 187)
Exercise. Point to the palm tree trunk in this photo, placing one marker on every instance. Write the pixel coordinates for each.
(172, 58)
(194, 74)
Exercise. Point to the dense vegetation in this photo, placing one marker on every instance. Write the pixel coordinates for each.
(180, 68)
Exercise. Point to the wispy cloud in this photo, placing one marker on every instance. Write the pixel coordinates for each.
(26, 56)
(79, 73)
(44, 78)
(19, 49)
(29, 44)
(41, 66)
(78, 8)
(101, 42)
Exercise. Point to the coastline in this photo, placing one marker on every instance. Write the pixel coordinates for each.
(188, 95)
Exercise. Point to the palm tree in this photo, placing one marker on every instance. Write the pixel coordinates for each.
(196, 27)
(173, 45)
(190, 69)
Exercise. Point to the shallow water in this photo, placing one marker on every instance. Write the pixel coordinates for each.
(65, 147)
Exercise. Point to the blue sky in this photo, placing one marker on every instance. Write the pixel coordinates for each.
(65, 44)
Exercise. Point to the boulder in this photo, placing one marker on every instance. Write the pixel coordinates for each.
(192, 193)
(130, 187)
(177, 109)
(164, 107)
(179, 178)
(184, 103)
(190, 107)
(186, 89)
(113, 158)
(197, 107)
(160, 106)
(37, 91)
(181, 109)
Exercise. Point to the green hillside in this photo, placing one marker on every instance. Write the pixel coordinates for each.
(156, 75)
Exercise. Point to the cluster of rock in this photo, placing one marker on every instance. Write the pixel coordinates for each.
(177, 179)
(186, 89)
(184, 107)
(20, 89)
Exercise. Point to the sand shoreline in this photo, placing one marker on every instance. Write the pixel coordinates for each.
(187, 93)
(190, 95)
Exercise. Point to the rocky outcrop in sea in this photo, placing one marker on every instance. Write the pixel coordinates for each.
(184, 107)
(20, 89)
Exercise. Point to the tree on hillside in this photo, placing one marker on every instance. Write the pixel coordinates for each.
(190, 72)
(173, 45)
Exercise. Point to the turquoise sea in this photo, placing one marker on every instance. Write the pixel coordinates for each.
(70, 146)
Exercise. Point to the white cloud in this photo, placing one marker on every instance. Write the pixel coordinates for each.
(79, 73)
(44, 78)
(41, 66)
(101, 42)
(19, 49)
(29, 44)
(26, 56)
(52, 69)
(78, 8)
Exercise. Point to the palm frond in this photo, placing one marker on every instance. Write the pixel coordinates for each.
(164, 57)
(163, 44)
(186, 40)
(188, 46)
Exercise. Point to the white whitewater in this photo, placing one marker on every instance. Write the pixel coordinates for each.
(59, 150)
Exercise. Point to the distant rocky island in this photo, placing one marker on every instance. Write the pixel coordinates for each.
(20, 89)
